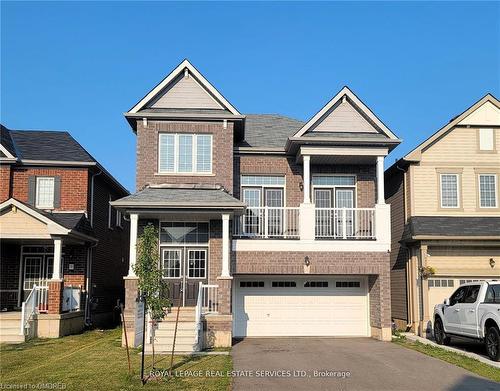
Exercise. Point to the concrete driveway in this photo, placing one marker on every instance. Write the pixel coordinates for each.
(323, 363)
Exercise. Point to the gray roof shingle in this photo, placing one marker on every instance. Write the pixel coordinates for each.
(6, 141)
(180, 197)
(49, 146)
(269, 130)
(452, 226)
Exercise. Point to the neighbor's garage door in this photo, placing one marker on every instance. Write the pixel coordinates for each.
(301, 307)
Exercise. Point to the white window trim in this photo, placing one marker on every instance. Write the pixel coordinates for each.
(37, 187)
(188, 250)
(441, 190)
(479, 190)
(492, 149)
(194, 155)
(179, 251)
(263, 187)
(334, 187)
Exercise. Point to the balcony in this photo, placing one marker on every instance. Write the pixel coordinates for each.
(268, 222)
(284, 223)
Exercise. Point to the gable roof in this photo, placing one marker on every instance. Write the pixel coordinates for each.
(49, 146)
(354, 101)
(62, 223)
(173, 77)
(7, 149)
(414, 155)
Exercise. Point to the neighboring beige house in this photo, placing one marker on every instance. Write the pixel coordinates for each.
(445, 210)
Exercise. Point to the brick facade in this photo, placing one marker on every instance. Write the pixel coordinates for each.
(4, 182)
(74, 185)
(373, 264)
(147, 153)
(282, 165)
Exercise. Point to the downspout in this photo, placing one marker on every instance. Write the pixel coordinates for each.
(409, 273)
(90, 252)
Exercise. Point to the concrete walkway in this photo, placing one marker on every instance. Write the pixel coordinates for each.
(344, 364)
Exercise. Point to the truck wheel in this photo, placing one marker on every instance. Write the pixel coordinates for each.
(492, 342)
(439, 334)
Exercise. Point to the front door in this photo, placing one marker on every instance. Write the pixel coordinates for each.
(344, 198)
(274, 200)
(452, 312)
(184, 268)
(37, 271)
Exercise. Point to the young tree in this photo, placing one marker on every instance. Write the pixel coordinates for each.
(152, 287)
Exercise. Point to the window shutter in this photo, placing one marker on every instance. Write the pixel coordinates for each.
(486, 140)
(57, 192)
(31, 190)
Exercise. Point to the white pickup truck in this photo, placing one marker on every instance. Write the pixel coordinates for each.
(473, 311)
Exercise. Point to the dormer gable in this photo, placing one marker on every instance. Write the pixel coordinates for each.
(185, 88)
(345, 113)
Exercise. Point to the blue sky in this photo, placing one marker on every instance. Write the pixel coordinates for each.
(79, 66)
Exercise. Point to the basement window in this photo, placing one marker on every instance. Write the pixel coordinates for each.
(347, 284)
(251, 284)
(283, 284)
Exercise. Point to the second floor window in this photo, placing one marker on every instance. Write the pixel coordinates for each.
(449, 191)
(185, 153)
(45, 192)
(262, 190)
(488, 191)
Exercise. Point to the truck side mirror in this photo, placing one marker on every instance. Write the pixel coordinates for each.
(446, 302)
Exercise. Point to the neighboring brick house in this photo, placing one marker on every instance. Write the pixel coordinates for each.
(282, 223)
(59, 233)
(445, 208)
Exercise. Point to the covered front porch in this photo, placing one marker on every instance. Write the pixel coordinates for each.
(193, 225)
(44, 260)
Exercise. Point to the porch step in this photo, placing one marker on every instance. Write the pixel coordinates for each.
(167, 348)
(186, 333)
(10, 323)
(186, 314)
(169, 327)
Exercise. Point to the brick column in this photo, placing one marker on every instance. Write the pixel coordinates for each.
(129, 312)
(224, 295)
(55, 296)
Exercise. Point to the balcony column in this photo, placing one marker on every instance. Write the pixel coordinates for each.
(225, 245)
(56, 274)
(307, 179)
(134, 218)
(380, 180)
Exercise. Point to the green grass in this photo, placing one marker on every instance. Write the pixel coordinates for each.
(457, 359)
(95, 360)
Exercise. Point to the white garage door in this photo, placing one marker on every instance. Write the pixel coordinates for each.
(318, 306)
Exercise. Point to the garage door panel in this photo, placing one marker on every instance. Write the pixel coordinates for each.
(298, 311)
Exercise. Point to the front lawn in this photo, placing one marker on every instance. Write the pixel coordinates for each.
(459, 360)
(95, 360)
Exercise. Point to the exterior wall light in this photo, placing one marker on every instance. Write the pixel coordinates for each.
(307, 261)
(492, 263)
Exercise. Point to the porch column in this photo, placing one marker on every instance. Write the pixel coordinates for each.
(56, 274)
(134, 218)
(225, 245)
(307, 179)
(380, 180)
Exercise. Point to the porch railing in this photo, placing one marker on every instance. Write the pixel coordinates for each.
(28, 309)
(345, 223)
(207, 303)
(268, 222)
(71, 298)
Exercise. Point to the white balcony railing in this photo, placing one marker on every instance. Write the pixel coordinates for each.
(345, 223)
(268, 222)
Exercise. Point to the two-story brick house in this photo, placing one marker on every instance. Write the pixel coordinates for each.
(283, 222)
(63, 248)
(445, 214)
